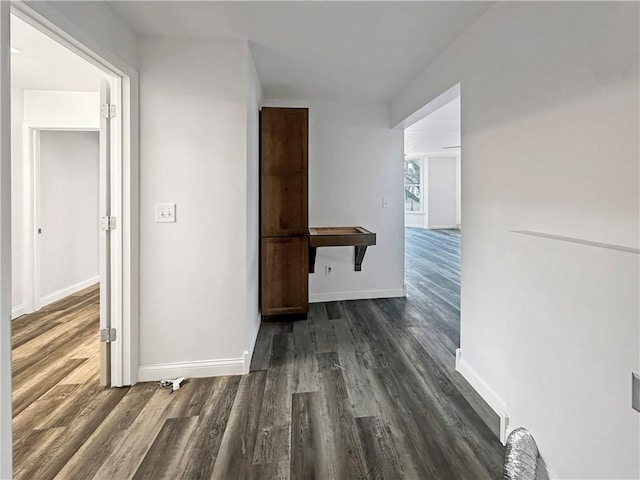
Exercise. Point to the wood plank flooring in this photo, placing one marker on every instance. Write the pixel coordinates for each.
(361, 390)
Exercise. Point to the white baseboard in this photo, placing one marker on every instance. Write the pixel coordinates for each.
(248, 355)
(18, 311)
(196, 369)
(442, 227)
(486, 392)
(359, 295)
(65, 292)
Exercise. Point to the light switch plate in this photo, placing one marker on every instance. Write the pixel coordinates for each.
(635, 391)
(165, 212)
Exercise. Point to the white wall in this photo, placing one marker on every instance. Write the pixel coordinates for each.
(44, 109)
(355, 160)
(62, 107)
(563, 341)
(194, 152)
(441, 192)
(550, 133)
(17, 206)
(415, 219)
(69, 215)
(254, 99)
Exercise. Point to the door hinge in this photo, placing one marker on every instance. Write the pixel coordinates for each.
(108, 335)
(107, 223)
(107, 110)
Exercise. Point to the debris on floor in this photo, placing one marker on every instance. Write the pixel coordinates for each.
(173, 383)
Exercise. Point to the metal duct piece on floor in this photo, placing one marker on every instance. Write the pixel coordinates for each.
(520, 456)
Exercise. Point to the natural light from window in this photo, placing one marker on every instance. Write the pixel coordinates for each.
(412, 185)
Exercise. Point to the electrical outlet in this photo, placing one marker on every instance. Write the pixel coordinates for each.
(165, 212)
(328, 269)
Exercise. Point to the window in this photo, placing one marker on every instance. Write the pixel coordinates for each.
(412, 185)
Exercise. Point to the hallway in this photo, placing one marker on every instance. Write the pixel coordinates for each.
(362, 389)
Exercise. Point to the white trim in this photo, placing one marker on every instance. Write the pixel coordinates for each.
(65, 292)
(125, 316)
(62, 125)
(248, 355)
(357, 295)
(56, 26)
(442, 227)
(486, 392)
(18, 311)
(195, 369)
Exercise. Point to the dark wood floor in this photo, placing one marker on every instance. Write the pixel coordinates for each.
(360, 390)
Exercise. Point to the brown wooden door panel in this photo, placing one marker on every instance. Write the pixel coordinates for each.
(285, 263)
(284, 171)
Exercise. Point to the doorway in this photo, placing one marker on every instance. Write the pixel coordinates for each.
(121, 119)
(433, 216)
(57, 197)
(116, 119)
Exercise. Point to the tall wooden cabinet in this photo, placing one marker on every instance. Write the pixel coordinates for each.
(284, 224)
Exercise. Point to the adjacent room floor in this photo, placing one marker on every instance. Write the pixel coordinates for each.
(362, 389)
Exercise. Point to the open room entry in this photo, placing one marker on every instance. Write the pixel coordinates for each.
(60, 216)
(68, 113)
(433, 214)
(60, 191)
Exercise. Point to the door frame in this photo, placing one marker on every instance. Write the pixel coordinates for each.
(124, 185)
(31, 200)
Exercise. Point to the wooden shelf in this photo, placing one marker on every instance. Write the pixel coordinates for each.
(358, 237)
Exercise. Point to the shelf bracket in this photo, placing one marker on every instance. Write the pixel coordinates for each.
(312, 259)
(360, 250)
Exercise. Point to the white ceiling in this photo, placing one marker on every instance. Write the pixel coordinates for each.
(46, 65)
(439, 129)
(324, 50)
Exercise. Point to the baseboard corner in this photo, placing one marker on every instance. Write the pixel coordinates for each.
(248, 354)
(485, 391)
(18, 311)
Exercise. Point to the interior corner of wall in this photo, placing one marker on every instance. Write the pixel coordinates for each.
(248, 353)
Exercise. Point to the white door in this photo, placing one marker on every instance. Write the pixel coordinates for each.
(105, 233)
